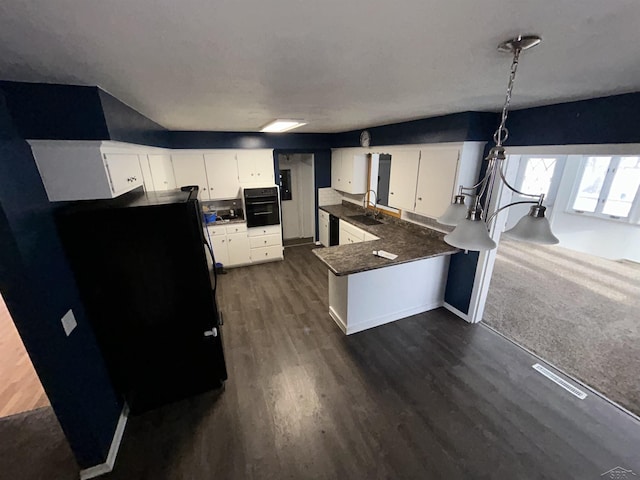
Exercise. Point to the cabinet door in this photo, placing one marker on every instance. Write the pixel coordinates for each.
(220, 251)
(124, 171)
(222, 175)
(147, 178)
(436, 181)
(162, 171)
(353, 170)
(403, 179)
(238, 248)
(336, 169)
(189, 170)
(323, 234)
(255, 166)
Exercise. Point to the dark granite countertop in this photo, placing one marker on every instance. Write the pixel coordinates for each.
(409, 241)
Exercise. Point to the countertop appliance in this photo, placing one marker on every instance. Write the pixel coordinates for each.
(140, 261)
(262, 206)
(334, 230)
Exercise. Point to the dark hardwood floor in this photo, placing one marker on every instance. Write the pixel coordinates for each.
(425, 397)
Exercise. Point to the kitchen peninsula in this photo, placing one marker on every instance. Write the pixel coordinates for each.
(366, 290)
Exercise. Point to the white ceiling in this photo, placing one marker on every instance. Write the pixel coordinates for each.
(338, 64)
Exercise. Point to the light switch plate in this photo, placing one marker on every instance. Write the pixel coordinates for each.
(69, 322)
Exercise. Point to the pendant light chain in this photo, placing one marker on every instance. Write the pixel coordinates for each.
(502, 133)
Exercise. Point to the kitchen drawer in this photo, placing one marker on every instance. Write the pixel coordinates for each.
(265, 241)
(217, 230)
(323, 215)
(237, 228)
(268, 230)
(266, 253)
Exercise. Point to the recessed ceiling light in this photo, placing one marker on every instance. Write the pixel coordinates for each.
(282, 125)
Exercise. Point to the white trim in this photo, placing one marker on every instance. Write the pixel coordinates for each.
(456, 312)
(108, 465)
(382, 319)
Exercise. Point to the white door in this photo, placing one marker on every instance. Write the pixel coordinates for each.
(147, 178)
(238, 248)
(162, 171)
(124, 171)
(298, 219)
(436, 181)
(220, 251)
(189, 170)
(403, 180)
(222, 175)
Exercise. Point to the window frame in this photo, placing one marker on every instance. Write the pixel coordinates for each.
(554, 185)
(633, 218)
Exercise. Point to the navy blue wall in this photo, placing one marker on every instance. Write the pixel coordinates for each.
(56, 112)
(457, 127)
(39, 288)
(289, 141)
(128, 125)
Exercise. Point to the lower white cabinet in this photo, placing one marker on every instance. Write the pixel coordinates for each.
(323, 227)
(238, 249)
(265, 243)
(220, 250)
(351, 234)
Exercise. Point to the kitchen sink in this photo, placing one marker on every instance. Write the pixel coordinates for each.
(365, 219)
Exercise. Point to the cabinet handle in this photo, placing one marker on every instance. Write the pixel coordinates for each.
(210, 188)
(258, 174)
(229, 240)
(266, 254)
(390, 193)
(265, 241)
(420, 198)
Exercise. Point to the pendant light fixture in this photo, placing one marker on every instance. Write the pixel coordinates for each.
(472, 224)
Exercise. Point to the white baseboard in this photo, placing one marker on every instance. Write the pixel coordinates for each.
(457, 312)
(338, 320)
(391, 317)
(107, 466)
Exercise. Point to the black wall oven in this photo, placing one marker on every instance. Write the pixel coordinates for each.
(262, 206)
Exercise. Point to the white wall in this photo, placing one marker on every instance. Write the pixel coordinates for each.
(298, 214)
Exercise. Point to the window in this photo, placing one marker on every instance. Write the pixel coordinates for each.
(608, 187)
(538, 174)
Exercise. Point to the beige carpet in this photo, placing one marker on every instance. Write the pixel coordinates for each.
(577, 311)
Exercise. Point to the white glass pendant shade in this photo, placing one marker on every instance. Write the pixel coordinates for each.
(471, 235)
(533, 228)
(455, 213)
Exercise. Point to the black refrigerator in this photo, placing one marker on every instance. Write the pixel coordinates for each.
(142, 268)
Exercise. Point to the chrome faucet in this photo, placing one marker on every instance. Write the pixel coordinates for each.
(365, 202)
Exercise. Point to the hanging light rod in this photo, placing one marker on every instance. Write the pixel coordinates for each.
(472, 224)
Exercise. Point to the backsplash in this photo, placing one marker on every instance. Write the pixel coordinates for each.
(329, 196)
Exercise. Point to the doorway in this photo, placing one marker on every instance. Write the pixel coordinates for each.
(297, 197)
(20, 387)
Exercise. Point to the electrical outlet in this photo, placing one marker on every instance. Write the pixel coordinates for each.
(69, 322)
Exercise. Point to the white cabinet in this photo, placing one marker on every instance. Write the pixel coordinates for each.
(147, 178)
(255, 167)
(161, 171)
(351, 234)
(189, 169)
(222, 174)
(349, 171)
(436, 180)
(86, 170)
(369, 236)
(238, 248)
(230, 244)
(402, 181)
(265, 243)
(323, 227)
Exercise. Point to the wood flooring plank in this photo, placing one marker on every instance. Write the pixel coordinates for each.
(424, 397)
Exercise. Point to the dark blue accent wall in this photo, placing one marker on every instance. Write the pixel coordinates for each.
(457, 127)
(128, 125)
(55, 112)
(614, 119)
(288, 141)
(39, 288)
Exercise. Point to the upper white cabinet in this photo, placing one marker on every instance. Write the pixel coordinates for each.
(349, 171)
(222, 174)
(255, 167)
(85, 170)
(402, 181)
(189, 169)
(161, 171)
(436, 180)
